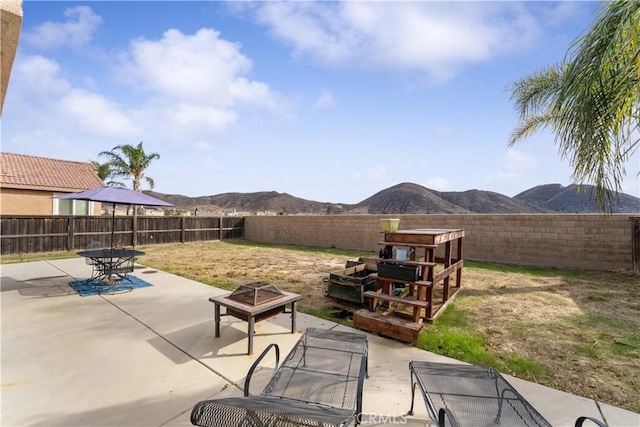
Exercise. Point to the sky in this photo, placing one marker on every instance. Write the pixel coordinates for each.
(327, 101)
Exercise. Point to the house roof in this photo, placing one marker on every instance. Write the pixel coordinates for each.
(41, 173)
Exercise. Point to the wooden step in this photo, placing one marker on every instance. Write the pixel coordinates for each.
(406, 282)
(407, 262)
(408, 245)
(389, 326)
(399, 300)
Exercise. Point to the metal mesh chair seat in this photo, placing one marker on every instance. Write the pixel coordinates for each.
(324, 367)
(119, 267)
(267, 411)
(479, 395)
(475, 396)
(319, 383)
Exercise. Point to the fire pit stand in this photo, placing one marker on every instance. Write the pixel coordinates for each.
(252, 303)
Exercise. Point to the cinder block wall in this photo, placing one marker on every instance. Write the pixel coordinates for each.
(573, 241)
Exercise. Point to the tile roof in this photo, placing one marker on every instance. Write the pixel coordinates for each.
(41, 173)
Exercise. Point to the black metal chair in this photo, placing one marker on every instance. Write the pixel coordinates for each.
(467, 395)
(96, 267)
(111, 272)
(319, 383)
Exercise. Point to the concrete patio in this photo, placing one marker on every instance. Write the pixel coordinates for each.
(144, 358)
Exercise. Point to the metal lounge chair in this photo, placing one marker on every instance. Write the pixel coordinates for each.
(466, 395)
(319, 383)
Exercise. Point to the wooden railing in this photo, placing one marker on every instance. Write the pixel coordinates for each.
(22, 234)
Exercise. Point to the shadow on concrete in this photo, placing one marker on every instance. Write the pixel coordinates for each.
(40, 287)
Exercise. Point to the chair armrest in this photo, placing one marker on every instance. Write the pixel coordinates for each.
(255, 365)
(597, 422)
(444, 414)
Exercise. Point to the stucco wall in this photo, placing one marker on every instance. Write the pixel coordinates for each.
(10, 27)
(575, 241)
(30, 202)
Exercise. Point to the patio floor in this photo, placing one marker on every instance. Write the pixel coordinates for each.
(144, 358)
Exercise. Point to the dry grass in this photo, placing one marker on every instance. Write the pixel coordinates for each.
(582, 329)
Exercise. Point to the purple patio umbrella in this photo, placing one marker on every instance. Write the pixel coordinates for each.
(116, 196)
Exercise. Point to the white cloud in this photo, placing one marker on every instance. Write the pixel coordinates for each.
(200, 68)
(210, 164)
(438, 184)
(376, 173)
(507, 178)
(325, 100)
(437, 38)
(513, 168)
(442, 130)
(35, 76)
(97, 115)
(517, 161)
(188, 89)
(77, 30)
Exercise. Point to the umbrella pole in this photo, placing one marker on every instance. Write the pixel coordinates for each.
(113, 223)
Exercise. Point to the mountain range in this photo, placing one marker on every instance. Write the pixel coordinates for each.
(407, 198)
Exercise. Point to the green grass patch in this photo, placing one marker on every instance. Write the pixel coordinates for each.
(304, 249)
(466, 346)
(522, 367)
(597, 297)
(596, 322)
(15, 259)
(518, 269)
(451, 335)
(454, 335)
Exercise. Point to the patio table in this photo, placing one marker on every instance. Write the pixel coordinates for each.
(109, 262)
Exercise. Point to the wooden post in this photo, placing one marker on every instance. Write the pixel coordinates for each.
(134, 237)
(459, 255)
(182, 228)
(447, 263)
(70, 229)
(635, 244)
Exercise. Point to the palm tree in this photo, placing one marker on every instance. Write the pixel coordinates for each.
(591, 101)
(129, 162)
(104, 173)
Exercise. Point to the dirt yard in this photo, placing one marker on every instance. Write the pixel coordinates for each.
(583, 328)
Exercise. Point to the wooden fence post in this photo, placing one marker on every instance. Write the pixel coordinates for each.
(182, 228)
(70, 229)
(134, 237)
(635, 244)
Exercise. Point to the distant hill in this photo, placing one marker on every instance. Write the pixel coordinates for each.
(269, 202)
(489, 202)
(406, 198)
(573, 199)
(249, 203)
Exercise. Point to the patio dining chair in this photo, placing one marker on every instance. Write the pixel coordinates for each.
(114, 270)
(319, 383)
(460, 395)
(96, 267)
(120, 267)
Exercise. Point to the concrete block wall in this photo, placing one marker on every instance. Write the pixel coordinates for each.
(571, 241)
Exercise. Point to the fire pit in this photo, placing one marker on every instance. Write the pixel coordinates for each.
(256, 293)
(255, 302)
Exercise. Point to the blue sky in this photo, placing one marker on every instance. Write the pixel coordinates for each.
(325, 101)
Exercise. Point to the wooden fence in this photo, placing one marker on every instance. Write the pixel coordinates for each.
(20, 234)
